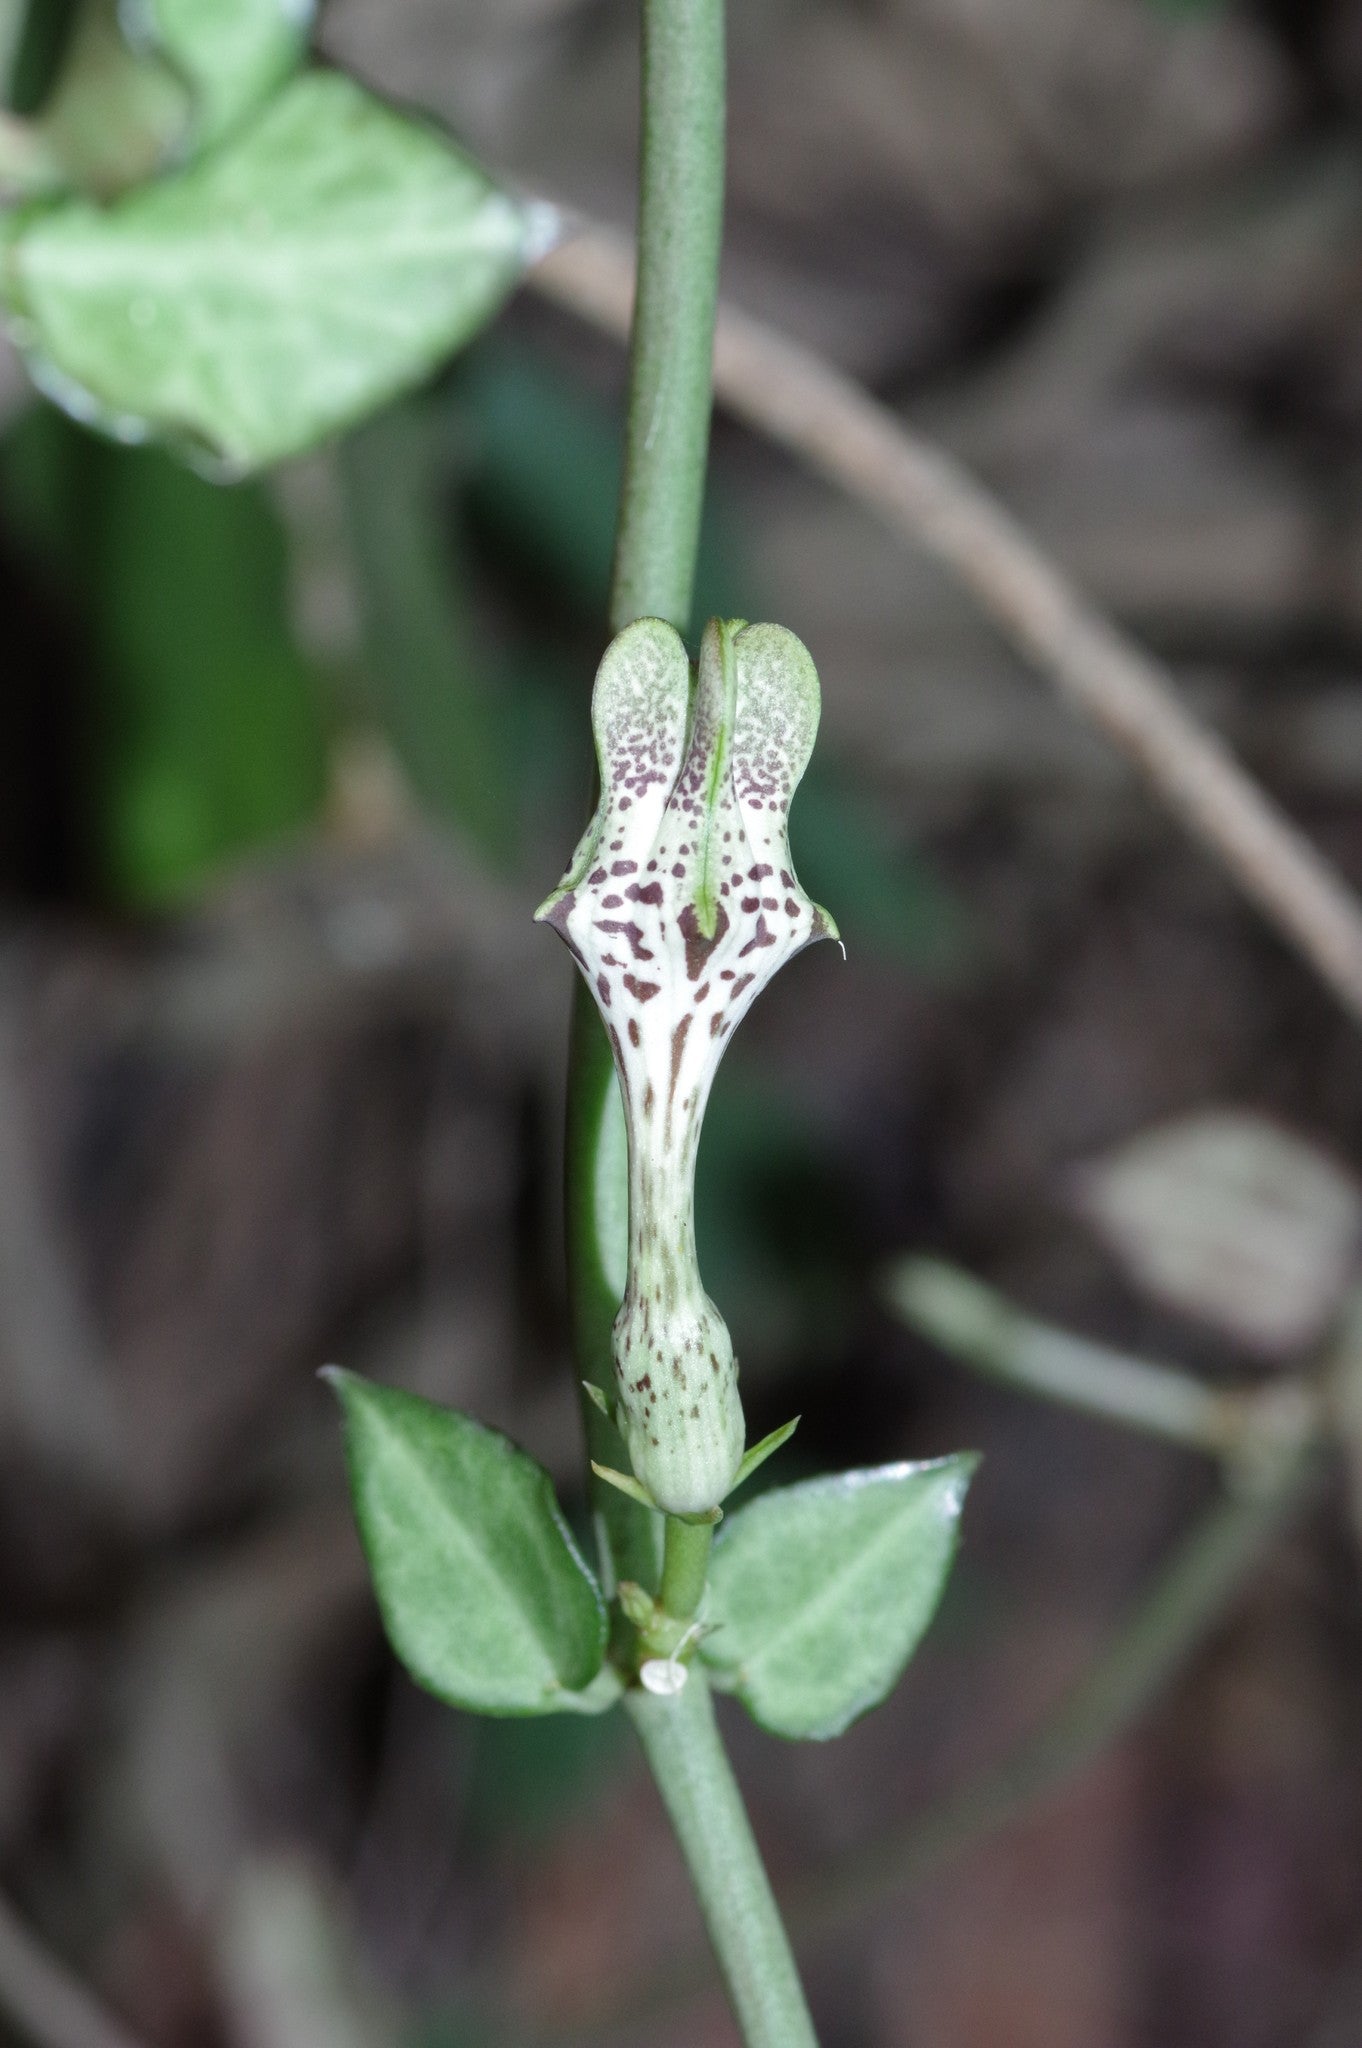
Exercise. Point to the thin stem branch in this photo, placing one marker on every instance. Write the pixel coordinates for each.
(981, 1328)
(834, 427)
(684, 1749)
(1168, 1622)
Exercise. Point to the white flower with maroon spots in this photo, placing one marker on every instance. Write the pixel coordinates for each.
(680, 904)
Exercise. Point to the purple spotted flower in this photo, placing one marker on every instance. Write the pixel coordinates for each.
(679, 905)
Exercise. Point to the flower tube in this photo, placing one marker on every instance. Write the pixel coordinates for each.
(679, 905)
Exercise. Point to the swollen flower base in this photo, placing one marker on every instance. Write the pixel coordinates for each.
(679, 905)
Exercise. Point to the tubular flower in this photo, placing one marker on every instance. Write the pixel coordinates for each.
(679, 905)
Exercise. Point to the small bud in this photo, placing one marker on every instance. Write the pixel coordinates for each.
(637, 1604)
(680, 904)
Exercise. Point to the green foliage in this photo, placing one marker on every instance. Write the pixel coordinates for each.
(216, 739)
(890, 903)
(113, 115)
(819, 1593)
(776, 1221)
(209, 737)
(484, 1595)
(423, 661)
(756, 1456)
(34, 36)
(528, 1778)
(125, 89)
(11, 31)
(233, 53)
(544, 466)
(546, 456)
(324, 259)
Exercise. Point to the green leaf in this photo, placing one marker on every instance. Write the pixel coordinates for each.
(426, 670)
(819, 1593)
(233, 53)
(114, 115)
(606, 1690)
(767, 1448)
(328, 256)
(483, 1593)
(11, 36)
(215, 742)
(205, 729)
(625, 1483)
(37, 39)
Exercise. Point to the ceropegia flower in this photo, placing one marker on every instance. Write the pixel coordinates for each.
(679, 906)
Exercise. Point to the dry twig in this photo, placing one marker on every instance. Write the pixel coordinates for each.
(838, 430)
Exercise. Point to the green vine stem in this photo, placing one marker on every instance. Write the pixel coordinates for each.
(684, 1749)
(666, 448)
(684, 1566)
(671, 347)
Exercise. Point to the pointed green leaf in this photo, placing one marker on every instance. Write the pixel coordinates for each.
(759, 1453)
(625, 1482)
(819, 1593)
(483, 1593)
(232, 53)
(326, 257)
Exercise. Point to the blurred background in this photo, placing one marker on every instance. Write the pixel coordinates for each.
(284, 770)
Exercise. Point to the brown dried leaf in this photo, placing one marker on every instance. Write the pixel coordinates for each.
(1233, 1220)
